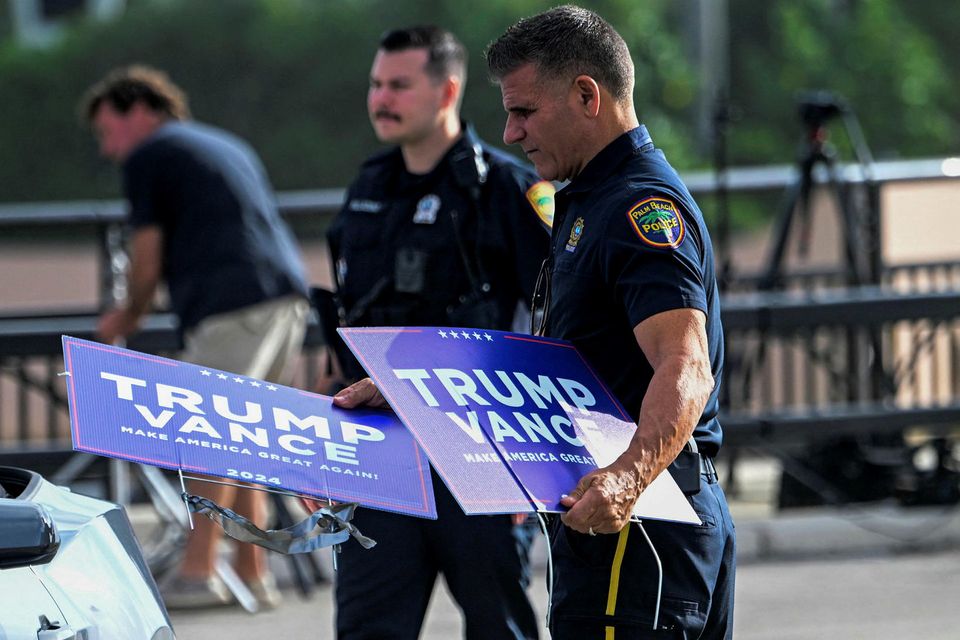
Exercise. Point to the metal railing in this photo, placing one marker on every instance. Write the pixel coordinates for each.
(33, 405)
(796, 366)
(803, 366)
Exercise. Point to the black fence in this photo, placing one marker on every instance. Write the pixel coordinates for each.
(34, 422)
(814, 361)
(836, 362)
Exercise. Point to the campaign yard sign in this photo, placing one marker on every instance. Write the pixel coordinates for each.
(176, 415)
(511, 422)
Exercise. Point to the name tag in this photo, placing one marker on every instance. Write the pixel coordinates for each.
(365, 206)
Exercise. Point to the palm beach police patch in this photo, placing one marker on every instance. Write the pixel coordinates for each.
(658, 222)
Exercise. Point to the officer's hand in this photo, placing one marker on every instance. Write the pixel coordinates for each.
(603, 500)
(360, 394)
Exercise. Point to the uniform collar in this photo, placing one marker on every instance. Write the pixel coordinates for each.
(610, 157)
(469, 138)
(467, 141)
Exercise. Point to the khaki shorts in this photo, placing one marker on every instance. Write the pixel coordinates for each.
(261, 341)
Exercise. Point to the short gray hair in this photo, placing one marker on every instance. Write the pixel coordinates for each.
(565, 41)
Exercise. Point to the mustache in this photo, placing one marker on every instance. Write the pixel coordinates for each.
(387, 115)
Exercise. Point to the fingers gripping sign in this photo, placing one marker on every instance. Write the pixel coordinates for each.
(603, 500)
(360, 394)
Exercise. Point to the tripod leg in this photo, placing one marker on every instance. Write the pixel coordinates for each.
(806, 191)
(236, 585)
(69, 472)
(162, 493)
(781, 234)
(862, 253)
(120, 482)
(848, 221)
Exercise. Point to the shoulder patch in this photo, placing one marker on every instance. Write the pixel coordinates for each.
(658, 222)
(540, 196)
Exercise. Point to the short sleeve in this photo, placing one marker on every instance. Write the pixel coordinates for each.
(654, 258)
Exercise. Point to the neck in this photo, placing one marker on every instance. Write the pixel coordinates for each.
(618, 122)
(423, 155)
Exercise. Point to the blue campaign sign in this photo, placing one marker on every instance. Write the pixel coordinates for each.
(511, 422)
(177, 415)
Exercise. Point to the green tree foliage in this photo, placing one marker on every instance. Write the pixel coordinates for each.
(288, 75)
(291, 77)
(887, 58)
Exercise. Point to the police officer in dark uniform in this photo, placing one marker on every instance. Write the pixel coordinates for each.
(427, 249)
(440, 230)
(631, 283)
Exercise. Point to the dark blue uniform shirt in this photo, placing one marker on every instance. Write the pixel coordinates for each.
(630, 242)
(413, 249)
(225, 246)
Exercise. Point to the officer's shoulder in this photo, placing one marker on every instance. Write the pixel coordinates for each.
(629, 193)
(375, 169)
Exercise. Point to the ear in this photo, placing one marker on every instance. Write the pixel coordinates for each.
(451, 91)
(587, 95)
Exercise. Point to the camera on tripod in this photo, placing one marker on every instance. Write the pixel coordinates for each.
(818, 107)
(815, 109)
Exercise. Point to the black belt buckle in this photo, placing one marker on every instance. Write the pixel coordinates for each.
(686, 472)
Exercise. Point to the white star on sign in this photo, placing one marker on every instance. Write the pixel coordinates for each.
(222, 376)
(254, 383)
(454, 335)
(465, 334)
(240, 380)
(442, 334)
(271, 387)
(476, 336)
(204, 373)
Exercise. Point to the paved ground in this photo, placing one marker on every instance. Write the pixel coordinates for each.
(881, 598)
(879, 573)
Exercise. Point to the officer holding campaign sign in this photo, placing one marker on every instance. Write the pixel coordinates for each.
(440, 229)
(631, 284)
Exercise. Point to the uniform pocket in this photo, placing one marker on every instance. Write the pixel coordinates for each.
(590, 551)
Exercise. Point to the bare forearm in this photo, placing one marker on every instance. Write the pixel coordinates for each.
(142, 280)
(142, 286)
(145, 271)
(675, 344)
(671, 408)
